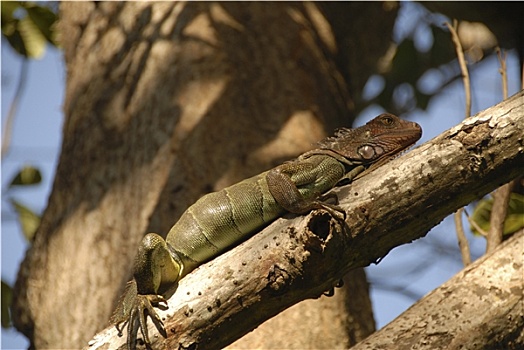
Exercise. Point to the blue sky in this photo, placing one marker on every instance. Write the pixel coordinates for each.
(36, 138)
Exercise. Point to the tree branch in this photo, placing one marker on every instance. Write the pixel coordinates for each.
(479, 308)
(297, 258)
(502, 194)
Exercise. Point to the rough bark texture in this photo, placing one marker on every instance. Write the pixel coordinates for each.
(300, 257)
(164, 102)
(480, 308)
(323, 323)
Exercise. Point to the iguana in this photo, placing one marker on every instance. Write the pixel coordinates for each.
(220, 220)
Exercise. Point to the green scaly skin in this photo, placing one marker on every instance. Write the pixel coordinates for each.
(223, 219)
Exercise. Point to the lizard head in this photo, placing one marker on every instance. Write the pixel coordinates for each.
(385, 135)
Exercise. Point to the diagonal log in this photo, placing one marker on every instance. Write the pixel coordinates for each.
(297, 258)
(480, 308)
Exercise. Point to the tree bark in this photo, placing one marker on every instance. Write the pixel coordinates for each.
(164, 102)
(480, 308)
(323, 323)
(300, 257)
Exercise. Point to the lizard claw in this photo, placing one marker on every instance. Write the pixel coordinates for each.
(331, 291)
(335, 211)
(329, 202)
(138, 319)
(133, 313)
(144, 304)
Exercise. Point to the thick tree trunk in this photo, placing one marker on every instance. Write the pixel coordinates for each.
(164, 102)
(301, 257)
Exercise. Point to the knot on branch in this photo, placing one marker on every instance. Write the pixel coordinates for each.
(474, 137)
(476, 163)
(320, 224)
(278, 280)
(320, 228)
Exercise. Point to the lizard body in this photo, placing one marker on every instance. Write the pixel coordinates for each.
(220, 220)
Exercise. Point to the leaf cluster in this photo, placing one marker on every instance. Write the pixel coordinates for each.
(29, 222)
(28, 27)
(514, 218)
(419, 65)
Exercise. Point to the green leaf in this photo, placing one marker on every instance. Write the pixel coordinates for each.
(28, 27)
(34, 41)
(16, 41)
(10, 27)
(8, 10)
(29, 175)
(442, 50)
(514, 219)
(45, 20)
(406, 63)
(7, 297)
(29, 221)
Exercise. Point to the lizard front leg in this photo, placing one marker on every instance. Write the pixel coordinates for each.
(298, 186)
(155, 267)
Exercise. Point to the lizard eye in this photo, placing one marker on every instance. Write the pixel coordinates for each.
(366, 151)
(387, 120)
